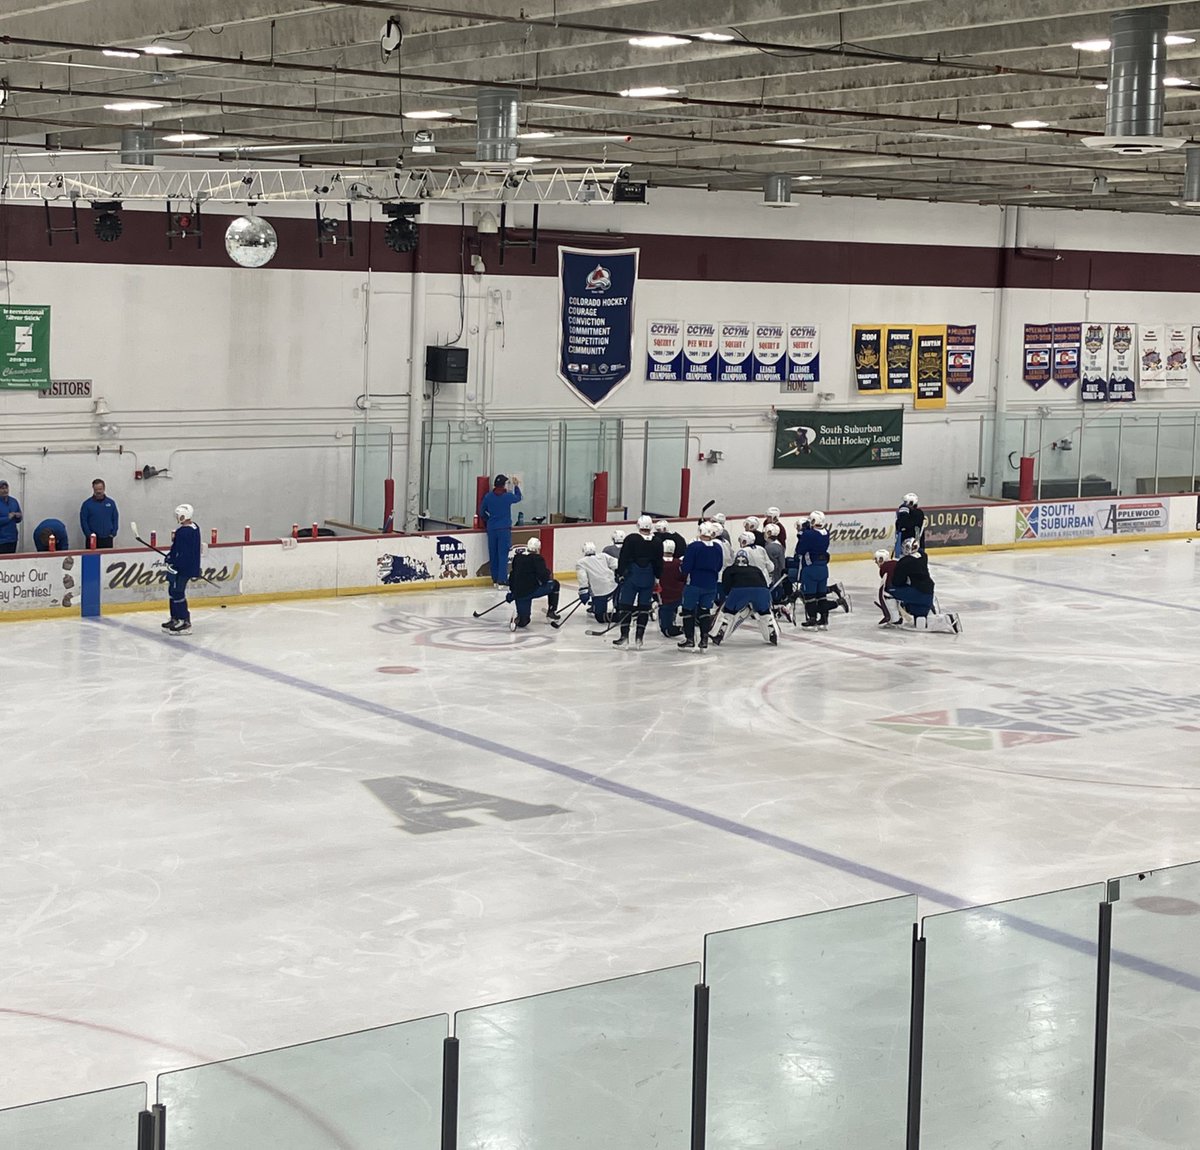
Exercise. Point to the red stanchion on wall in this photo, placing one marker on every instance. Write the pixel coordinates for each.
(600, 497)
(483, 485)
(389, 505)
(1025, 485)
(212, 539)
(685, 491)
(546, 534)
(295, 530)
(314, 531)
(245, 534)
(52, 543)
(91, 543)
(153, 538)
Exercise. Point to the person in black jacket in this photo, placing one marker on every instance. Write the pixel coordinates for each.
(910, 522)
(638, 568)
(744, 588)
(663, 532)
(911, 593)
(530, 579)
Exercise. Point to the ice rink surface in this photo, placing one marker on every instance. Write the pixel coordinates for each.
(309, 818)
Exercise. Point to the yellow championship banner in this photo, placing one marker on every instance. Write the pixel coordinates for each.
(929, 355)
(899, 343)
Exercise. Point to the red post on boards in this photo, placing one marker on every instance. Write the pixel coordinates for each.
(483, 485)
(600, 497)
(685, 491)
(1025, 482)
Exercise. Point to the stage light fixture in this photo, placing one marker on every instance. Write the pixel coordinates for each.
(402, 234)
(107, 224)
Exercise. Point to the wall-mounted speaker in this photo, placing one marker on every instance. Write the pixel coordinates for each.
(446, 364)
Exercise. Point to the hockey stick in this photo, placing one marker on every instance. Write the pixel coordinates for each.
(615, 623)
(480, 614)
(133, 525)
(564, 616)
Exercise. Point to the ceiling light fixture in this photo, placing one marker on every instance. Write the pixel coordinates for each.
(661, 41)
(716, 37)
(1092, 45)
(804, 178)
(1029, 124)
(984, 127)
(122, 53)
(648, 93)
(164, 48)
(530, 160)
(1176, 82)
(1102, 86)
(186, 138)
(791, 143)
(536, 135)
(430, 115)
(133, 106)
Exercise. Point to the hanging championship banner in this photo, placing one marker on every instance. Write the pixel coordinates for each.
(1066, 338)
(803, 358)
(867, 350)
(960, 357)
(1122, 362)
(1093, 371)
(733, 353)
(899, 354)
(1039, 343)
(664, 351)
(595, 334)
(931, 367)
(767, 354)
(700, 352)
(838, 439)
(1177, 357)
(1152, 360)
(24, 347)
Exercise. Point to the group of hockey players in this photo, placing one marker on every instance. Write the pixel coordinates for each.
(703, 590)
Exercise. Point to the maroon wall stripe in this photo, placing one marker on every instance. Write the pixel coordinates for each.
(447, 249)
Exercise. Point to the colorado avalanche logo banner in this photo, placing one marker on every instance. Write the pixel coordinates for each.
(595, 334)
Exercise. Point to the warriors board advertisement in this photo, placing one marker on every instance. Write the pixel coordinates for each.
(1090, 520)
(838, 439)
(595, 334)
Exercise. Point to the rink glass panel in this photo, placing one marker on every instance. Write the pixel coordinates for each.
(100, 1120)
(1154, 1011)
(373, 1090)
(809, 1029)
(590, 1068)
(664, 455)
(1009, 1041)
(372, 465)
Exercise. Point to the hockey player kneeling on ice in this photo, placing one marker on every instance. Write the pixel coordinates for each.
(670, 584)
(597, 579)
(744, 588)
(910, 598)
(613, 550)
(638, 569)
(530, 579)
(701, 566)
(758, 555)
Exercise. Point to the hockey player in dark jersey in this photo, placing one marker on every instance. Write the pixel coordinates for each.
(530, 579)
(887, 566)
(702, 563)
(744, 588)
(638, 569)
(910, 598)
(182, 564)
(663, 532)
(910, 522)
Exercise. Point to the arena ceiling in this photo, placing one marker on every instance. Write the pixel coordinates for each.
(909, 99)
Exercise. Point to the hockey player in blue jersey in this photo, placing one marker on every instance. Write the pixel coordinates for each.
(701, 566)
(910, 522)
(638, 569)
(744, 588)
(183, 564)
(812, 557)
(495, 509)
(910, 599)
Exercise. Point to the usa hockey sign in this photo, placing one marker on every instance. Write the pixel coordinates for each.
(595, 333)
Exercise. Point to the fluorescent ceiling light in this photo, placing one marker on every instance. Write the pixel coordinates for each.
(984, 127)
(133, 106)
(1173, 40)
(536, 135)
(123, 53)
(1092, 45)
(186, 137)
(1101, 87)
(530, 160)
(804, 177)
(793, 141)
(433, 115)
(718, 37)
(648, 93)
(657, 41)
(1030, 124)
(164, 48)
(1175, 82)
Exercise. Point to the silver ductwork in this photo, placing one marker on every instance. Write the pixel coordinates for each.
(137, 147)
(1137, 66)
(1191, 179)
(496, 126)
(777, 191)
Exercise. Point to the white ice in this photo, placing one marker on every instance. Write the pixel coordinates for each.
(194, 867)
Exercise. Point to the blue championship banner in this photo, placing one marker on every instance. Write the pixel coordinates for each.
(595, 334)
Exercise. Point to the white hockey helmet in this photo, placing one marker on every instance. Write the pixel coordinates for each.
(911, 499)
(668, 546)
(882, 557)
(745, 539)
(771, 531)
(589, 549)
(719, 518)
(817, 518)
(184, 512)
(708, 530)
(618, 536)
(772, 512)
(534, 545)
(645, 523)
(911, 547)
(742, 558)
(752, 523)
(662, 526)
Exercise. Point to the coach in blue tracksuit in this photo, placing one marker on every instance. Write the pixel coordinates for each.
(10, 516)
(495, 509)
(98, 516)
(48, 527)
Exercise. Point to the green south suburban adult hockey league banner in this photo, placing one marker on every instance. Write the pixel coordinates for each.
(839, 439)
(24, 346)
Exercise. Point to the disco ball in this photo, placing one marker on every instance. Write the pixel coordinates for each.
(251, 242)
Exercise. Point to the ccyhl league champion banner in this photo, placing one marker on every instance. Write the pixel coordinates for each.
(733, 351)
(595, 335)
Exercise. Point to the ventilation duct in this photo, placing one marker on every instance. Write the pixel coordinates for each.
(777, 191)
(137, 147)
(1191, 179)
(496, 126)
(1137, 65)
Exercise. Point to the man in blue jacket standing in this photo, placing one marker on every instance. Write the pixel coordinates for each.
(10, 516)
(183, 563)
(98, 517)
(495, 509)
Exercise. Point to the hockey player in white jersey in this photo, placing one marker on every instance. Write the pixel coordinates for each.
(597, 577)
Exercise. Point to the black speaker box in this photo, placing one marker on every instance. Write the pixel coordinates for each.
(446, 364)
